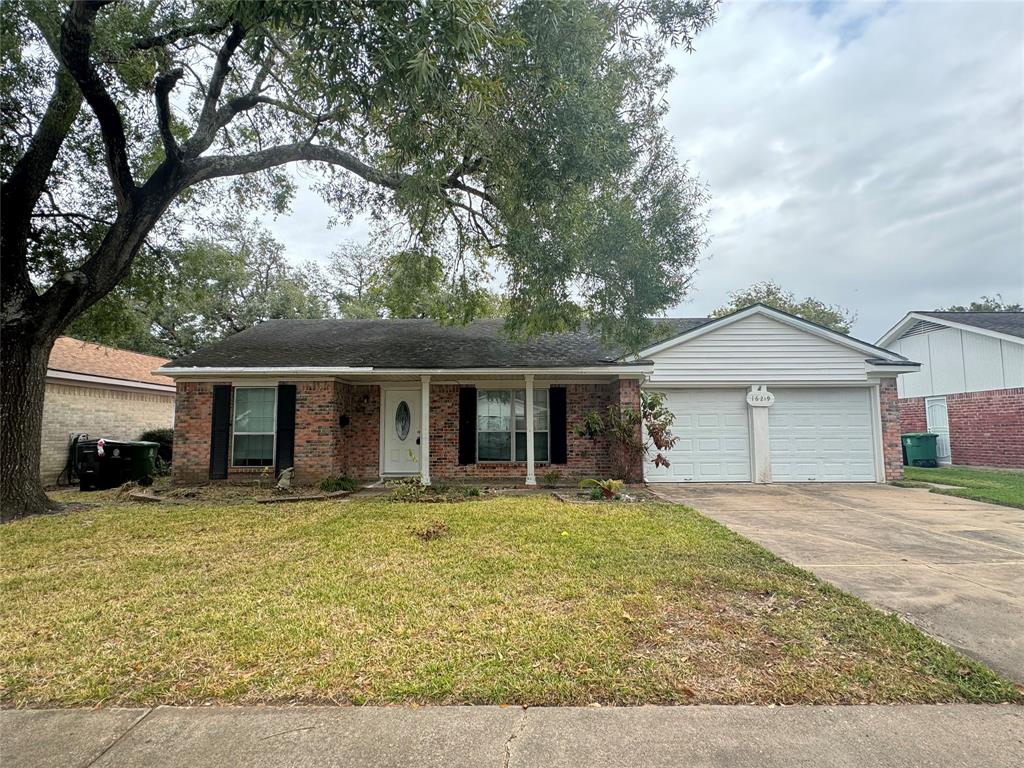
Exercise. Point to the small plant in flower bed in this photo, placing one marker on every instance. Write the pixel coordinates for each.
(608, 489)
(335, 484)
(551, 478)
(412, 490)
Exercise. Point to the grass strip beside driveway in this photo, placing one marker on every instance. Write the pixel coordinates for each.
(506, 600)
(998, 486)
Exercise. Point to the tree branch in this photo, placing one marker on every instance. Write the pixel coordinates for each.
(75, 45)
(174, 35)
(164, 85)
(20, 193)
(208, 117)
(204, 168)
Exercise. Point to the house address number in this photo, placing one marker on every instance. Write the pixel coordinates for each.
(760, 398)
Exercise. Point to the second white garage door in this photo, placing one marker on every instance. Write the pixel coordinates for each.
(714, 443)
(822, 435)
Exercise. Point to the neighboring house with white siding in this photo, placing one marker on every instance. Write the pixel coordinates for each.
(100, 391)
(970, 387)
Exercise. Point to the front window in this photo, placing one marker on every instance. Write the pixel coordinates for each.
(501, 424)
(253, 426)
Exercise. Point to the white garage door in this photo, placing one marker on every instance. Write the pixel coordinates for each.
(822, 435)
(713, 445)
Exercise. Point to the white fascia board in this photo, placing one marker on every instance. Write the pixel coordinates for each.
(624, 370)
(913, 317)
(782, 317)
(891, 370)
(107, 381)
(894, 333)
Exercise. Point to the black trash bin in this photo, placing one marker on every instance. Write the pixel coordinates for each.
(104, 463)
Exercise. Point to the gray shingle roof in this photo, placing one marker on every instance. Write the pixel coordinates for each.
(404, 344)
(1010, 323)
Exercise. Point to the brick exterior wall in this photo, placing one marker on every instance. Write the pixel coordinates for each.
(585, 457)
(912, 415)
(100, 412)
(892, 449)
(985, 428)
(193, 414)
(324, 448)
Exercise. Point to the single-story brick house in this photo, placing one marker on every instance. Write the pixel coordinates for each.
(100, 391)
(970, 386)
(758, 396)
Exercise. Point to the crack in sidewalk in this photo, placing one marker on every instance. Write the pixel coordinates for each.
(115, 742)
(517, 730)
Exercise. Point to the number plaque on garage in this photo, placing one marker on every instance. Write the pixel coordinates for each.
(760, 398)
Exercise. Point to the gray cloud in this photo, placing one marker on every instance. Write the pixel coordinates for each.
(869, 155)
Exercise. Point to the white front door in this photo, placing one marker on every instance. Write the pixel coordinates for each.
(938, 422)
(401, 431)
(822, 435)
(714, 438)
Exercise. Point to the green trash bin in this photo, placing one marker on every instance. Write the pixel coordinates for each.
(920, 449)
(143, 458)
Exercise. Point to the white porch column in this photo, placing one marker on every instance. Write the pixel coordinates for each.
(531, 476)
(425, 430)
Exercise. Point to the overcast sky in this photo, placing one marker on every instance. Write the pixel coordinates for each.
(871, 155)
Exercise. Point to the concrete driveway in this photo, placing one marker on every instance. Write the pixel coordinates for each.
(953, 567)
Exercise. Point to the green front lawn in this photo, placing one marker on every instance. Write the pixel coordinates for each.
(999, 486)
(504, 600)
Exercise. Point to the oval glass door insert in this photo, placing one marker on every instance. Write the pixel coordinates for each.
(403, 420)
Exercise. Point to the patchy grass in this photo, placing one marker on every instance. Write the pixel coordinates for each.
(999, 486)
(504, 600)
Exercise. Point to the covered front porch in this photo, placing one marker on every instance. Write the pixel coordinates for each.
(512, 426)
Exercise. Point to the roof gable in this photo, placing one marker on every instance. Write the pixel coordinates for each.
(869, 351)
(1008, 326)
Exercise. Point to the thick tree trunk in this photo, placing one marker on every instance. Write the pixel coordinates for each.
(23, 358)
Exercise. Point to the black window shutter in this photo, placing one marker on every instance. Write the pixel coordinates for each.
(556, 415)
(284, 451)
(219, 431)
(467, 425)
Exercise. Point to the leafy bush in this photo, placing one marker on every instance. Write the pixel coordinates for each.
(472, 491)
(609, 489)
(596, 494)
(624, 428)
(551, 478)
(165, 437)
(334, 484)
(409, 489)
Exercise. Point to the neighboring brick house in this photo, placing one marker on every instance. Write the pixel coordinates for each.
(390, 398)
(102, 392)
(970, 387)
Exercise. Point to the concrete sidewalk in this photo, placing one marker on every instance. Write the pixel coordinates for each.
(480, 737)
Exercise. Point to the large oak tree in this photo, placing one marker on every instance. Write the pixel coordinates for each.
(519, 133)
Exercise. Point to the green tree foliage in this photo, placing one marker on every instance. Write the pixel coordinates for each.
(203, 289)
(364, 281)
(984, 304)
(771, 294)
(522, 134)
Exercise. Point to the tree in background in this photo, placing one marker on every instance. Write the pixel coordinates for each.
(985, 304)
(771, 294)
(526, 133)
(199, 290)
